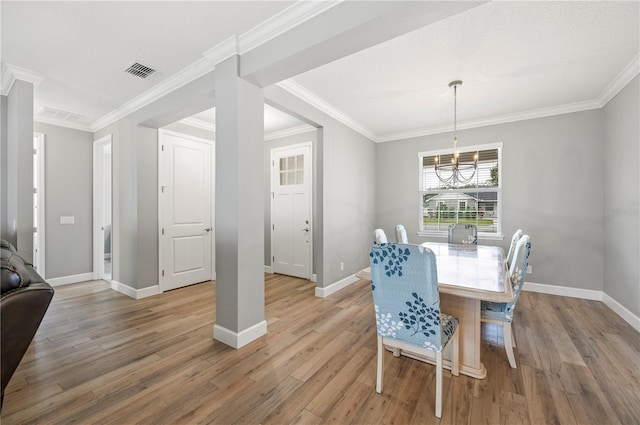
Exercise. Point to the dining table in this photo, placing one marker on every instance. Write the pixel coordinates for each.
(467, 275)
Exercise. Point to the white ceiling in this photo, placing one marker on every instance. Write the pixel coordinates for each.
(517, 60)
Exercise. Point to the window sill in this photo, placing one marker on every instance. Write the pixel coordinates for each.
(485, 236)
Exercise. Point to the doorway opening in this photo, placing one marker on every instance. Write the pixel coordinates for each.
(102, 210)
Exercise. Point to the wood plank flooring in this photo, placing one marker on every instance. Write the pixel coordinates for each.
(101, 357)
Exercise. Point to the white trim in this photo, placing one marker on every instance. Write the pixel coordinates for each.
(67, 280)
(483, 147)
(335, 287)
(624, 78)
(62, 123)
(98, 184)
(194, 122)
(42, 208)
(11, 73)
(292, 16)
(304, 128)
(268, 269)
(134, 293)
(314, 278)
(324, 106)
(622, 311)
(586, 294)
(565, 291)
(242, 338)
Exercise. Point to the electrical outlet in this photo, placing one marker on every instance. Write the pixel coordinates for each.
(341, 266)
(529, 269)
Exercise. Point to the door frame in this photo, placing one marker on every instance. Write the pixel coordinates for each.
(40, 185)
(273, 151)
(162, 133)
(98, 194)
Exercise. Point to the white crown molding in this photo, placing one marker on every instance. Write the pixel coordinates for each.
(292, 16)
(501, 119)
(62, 123)
(194, 122)
(624, 78)
(11, 73)
(186, 75)
(324, 106)
(289, 18)
(304, 128)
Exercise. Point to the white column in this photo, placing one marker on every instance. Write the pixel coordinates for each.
(239, 208)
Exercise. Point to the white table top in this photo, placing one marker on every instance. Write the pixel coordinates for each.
(470, 271)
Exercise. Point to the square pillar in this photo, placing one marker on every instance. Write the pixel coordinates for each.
(239, 207)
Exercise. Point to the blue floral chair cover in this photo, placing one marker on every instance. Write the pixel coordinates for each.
(463, 234)
(379, 237)
(502, 313)
(512, 248)
(401, 234)
(404, 282)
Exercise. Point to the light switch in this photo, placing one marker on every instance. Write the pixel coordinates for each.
(67, 219)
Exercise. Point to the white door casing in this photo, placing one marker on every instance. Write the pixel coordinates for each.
(100, 163)
(291, 210)
(185, 210)
(39, 206)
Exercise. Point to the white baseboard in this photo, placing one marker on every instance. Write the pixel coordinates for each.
(335, 287)
(239, 339)
(136, 294)
(586, 294)
(622, 311)
(565, 291)
(66, 280)
(268, 269)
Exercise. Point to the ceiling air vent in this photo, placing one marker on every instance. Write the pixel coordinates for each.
(59, 114)
(140, 70)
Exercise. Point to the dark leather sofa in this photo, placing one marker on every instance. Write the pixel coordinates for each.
(24, 300)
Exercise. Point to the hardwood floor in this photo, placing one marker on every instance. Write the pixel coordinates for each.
(101, 357)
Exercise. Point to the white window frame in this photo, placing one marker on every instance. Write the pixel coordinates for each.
(443, 233)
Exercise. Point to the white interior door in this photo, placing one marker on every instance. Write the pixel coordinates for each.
(186, 203)
(291, 235)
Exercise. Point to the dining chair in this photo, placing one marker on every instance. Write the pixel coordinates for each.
(502, 313)
(404, 282)
(379, 236)
(512, 248)
(401, 234)
(463, 234)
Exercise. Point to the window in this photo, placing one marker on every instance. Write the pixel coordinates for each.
(477, 202)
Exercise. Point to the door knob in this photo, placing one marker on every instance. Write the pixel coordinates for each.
(208, 229)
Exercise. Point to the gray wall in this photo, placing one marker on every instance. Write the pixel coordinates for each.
(277, 143)
(68, 192)
(135, 202)
(346, 191)
(622, 198)
(4, 170)
(552, 189)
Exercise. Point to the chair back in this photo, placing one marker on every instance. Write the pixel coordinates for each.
(404, 280)
(518, 270)
(512, 248)
(463, 234)
(379, 237)
(401, 234)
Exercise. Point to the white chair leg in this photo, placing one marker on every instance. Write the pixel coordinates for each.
(455, 356)
(508, 343)
(379, 372)
(513, 338)
(396, 352)
(438, 384)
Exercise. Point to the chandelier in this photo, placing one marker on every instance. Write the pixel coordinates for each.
(458, 171)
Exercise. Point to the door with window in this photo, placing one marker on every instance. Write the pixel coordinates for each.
(291, 227)
(186, 210)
